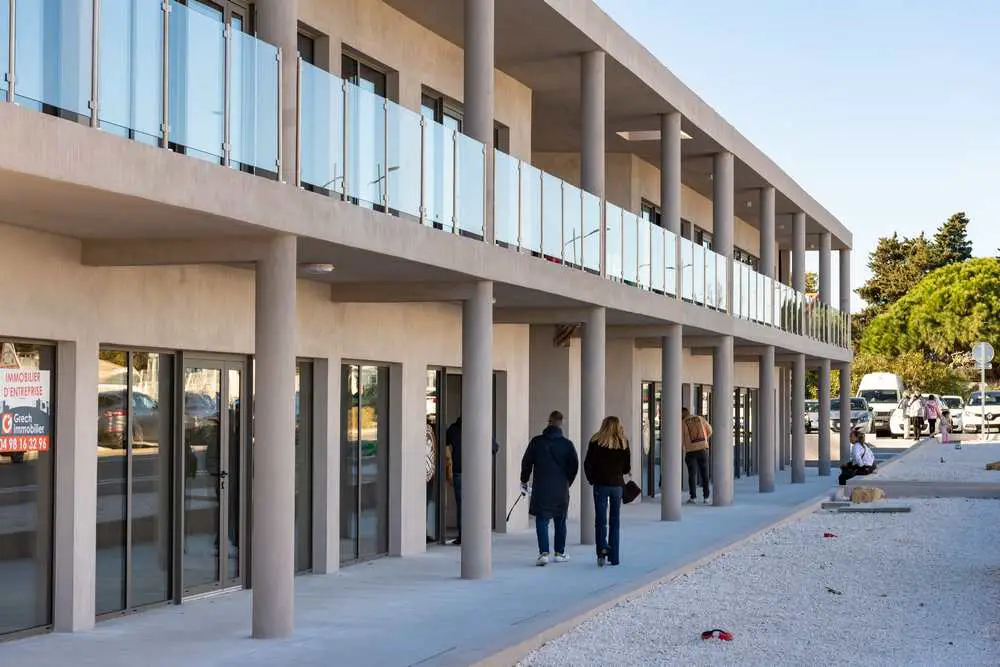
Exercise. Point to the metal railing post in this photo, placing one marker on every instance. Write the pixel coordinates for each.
(227, 95)
(298, 123)
(165, 120)
(95, 64)
(562, 221)
(11, 49)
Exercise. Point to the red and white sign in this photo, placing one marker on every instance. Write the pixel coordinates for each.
(25, 417)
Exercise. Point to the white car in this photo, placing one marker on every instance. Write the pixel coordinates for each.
(861, 415)
(972, 416)
(812, 416)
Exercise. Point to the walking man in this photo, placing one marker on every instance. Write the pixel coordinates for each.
(551, 462)
(695, 432)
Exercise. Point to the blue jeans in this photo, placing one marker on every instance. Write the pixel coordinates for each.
(608, 510)
(542, 529)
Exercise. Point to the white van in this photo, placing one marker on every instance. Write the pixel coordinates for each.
(883, 391)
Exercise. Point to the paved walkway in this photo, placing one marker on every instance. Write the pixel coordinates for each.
(415, 610)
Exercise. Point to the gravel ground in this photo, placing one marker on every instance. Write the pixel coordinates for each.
(912, 589)
(967, 464)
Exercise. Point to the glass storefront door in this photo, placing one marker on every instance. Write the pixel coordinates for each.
(303, 466)
(364, 463)
(213, 498)
(134, 472)
(27, 372)
(744, 407)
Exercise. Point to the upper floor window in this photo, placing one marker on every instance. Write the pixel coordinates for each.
(651, 212)
(450, 113)
(307, 48)
(362, 75)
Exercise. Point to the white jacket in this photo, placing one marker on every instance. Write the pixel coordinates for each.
(915, 408)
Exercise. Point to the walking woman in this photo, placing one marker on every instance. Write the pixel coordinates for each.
(607, 463)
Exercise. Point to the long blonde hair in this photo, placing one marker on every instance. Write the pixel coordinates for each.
(611, 435)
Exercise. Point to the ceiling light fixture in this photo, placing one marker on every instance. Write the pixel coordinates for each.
(647, 135)
(317, 268)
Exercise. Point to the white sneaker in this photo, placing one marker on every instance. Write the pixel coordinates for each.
(560, 558)
(543, 559)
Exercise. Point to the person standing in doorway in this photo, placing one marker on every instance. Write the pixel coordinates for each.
(551, 463)
(453, 441)
(607, 463)
(695, 432)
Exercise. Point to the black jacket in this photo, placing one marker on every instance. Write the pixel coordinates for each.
(453, 439)
(551, 462)
(604, 466)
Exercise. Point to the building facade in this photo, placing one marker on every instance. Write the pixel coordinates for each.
(260, 255)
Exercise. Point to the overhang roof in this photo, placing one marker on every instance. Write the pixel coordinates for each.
(539, 42)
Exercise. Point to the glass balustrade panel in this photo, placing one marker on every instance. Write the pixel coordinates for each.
(591, 232)
(404, 143)
(630, 248)
(197, 57)
(130, 67)
(699, 273)
(253, 103)
(552, 215)
(572, 225)
(366, 148)
(470, 182)
(722, 269)
(505, 198)
(439, 176)
(657, 259)
(4, 48)
(613, 241)
(711, 286)
(687, 269)
(53, 54)
(321, 118)
(670, 254)
(531, 208)
(645, 264)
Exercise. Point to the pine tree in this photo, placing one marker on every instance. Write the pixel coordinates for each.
(951, 242)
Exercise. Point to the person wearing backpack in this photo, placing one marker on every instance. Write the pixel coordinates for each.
(551, 463)
(695, 432)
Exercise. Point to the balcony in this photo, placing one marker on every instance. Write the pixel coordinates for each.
(166, 75)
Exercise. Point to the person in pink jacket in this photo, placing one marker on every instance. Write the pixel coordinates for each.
(932, 413)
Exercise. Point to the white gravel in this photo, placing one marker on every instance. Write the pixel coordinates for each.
(967, 464)
(915, 589)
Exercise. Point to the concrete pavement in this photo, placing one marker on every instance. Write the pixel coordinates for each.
(415, 610)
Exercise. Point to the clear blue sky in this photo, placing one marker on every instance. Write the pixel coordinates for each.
(886, 111)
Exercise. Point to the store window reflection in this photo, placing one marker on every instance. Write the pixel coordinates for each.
(134, 418)
(26, 490)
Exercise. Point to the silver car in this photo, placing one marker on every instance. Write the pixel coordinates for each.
(812, 416)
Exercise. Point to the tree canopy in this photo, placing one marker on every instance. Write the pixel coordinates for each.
(947, 312)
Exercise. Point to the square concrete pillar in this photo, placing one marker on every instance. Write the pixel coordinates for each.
(326, 462)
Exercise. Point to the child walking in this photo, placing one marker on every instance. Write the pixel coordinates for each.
(945, 425)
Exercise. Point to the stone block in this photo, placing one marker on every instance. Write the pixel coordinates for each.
(866, 494)
(993, 466)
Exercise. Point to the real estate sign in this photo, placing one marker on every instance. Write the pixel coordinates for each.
(25, 417)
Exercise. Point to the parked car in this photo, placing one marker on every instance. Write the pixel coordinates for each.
(812, 416)
(972, 415)
(861, 415)
(883, 391)
(955, 406)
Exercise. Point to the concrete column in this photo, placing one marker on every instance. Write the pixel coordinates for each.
(767, 263)
(722, 423)
(670, 182)
(273, 541)
(671, 458)
(825, 244)
(799, 253)
(845, 285)
(592, 111)
(326, 462)
(75, 534)
(479, 89)
(766, 427)
(592, 381)
(845, 412)
(824, 418)
(477, 432)
(278, 24)
(722, 215)
(798, 420)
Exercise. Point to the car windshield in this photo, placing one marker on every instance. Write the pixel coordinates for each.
(952, 402)
(880, 395)
(992, 398)
(856, 404)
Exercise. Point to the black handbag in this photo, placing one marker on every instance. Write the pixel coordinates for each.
(630, 492)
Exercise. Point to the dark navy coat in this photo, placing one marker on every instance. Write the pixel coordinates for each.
(551, 462)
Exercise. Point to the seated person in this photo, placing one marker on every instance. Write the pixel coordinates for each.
(862, 459)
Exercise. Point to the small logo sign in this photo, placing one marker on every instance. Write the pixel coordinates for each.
(7, 423)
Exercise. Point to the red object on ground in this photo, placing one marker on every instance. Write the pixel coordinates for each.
(829, 535)
(721, 634)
